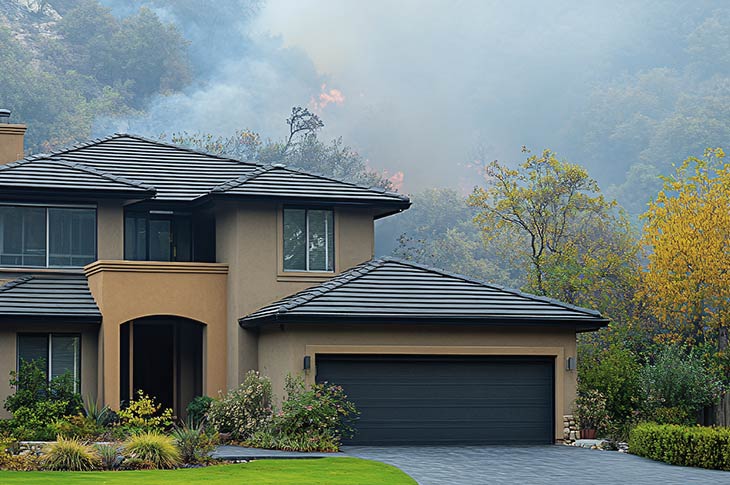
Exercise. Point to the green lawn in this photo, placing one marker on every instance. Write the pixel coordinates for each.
(340, 471)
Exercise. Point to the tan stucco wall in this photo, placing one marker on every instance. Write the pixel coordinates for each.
(89, 355)
(11, 142)
(126, 290)
(110, 229)
(248, 239)
(282, 351)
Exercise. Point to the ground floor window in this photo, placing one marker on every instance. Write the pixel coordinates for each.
(60, 352)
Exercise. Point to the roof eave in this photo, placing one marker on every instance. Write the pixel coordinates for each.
(50, 318)
(579, 324)
(393, 207)
(65, 193)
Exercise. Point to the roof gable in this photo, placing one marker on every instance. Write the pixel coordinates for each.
(389, 289)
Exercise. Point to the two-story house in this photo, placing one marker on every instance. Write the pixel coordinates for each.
(135, 264)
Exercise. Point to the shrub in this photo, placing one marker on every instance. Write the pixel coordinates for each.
(20, 463)
(682, 445)
(313, 419)
(244, 410)
(194, 442)
(590, 410)
(78, 426)
(37, 403)
(108, 455)
(677, 386)
(137, 464)
(198, 408)
(144, 414)
(70, 454)
(152, 447)
(103, 415)
(615, 373)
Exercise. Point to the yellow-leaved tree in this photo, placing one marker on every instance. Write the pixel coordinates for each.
(687, 238)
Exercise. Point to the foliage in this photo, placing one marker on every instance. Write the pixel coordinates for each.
(198, 408)
(78, 426)
(194, 442)
(152, 447)
(243, 410)
(590, 410)
(575, 245)
(615, 373)
(677, 386)
(20, 463)
(144, 414)
(37, 403)
(70, 455)
(101, 415)
(300, 149)
(109, 458)
(312, 419)
(682, 445)
(340, 471)
(687, 235)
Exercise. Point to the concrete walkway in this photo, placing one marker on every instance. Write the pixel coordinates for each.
(242, 453)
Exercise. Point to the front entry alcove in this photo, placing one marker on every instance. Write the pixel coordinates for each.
(162, 356)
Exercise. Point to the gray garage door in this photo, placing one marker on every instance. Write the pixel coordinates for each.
(431, 400)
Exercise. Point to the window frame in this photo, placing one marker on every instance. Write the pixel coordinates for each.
(331, 247)
(160, 215)
(49, 353)
(46, 208)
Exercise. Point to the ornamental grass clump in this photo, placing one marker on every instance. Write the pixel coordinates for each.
(70, 455)
(154, 448)
(108, 455)
(194, 442)
(244, 410)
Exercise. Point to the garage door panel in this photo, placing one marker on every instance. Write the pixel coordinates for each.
(446, 399)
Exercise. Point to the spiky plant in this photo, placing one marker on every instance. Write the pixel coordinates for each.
(71, 455)
(153, 447)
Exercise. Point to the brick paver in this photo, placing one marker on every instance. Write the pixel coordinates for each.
(553, 465)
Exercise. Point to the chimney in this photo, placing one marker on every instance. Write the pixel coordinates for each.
(11, 138)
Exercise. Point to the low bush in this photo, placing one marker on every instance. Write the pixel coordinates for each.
(20, 463)
(144, 415)
(71, 455)
(194, 442)
(590, 411)
(108, 456)
(78, 426)
(198, 408)
(152, 447)
(244, 410)
(314, 419)
(682, 445)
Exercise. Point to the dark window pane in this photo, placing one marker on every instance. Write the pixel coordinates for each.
(160, 240)
(72, 237)
(22, 236)
(295, 235)
(320, 240)
(183, 244)
(33, 347)
(66, 356)
(135, 237)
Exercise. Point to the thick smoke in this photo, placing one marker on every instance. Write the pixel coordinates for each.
(423, 87)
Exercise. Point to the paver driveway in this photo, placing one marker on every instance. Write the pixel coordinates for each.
(535, 465)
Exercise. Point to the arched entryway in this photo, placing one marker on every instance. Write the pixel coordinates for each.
(163, 356)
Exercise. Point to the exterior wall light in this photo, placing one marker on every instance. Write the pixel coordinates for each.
(570, 363)
(307, 362)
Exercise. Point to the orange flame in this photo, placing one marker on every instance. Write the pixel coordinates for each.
(326, 97)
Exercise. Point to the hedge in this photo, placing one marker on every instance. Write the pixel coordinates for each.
(682, 445)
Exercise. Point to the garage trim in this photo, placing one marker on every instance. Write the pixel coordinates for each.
(557, 352)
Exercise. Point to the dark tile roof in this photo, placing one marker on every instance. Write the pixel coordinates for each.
(393, 290)
(47, 295)
(181, 174)
(56, 174)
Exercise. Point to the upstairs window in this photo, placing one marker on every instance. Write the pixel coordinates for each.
(47, 236)
(309, 240)
(157, 236)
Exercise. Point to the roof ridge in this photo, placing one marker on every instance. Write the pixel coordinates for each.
(74, 147)
(107, 175)
(469, 279)
(238, 181)
(16, 282)
(184, 148)
(305, 296)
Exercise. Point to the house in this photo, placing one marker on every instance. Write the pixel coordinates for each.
(135, 264)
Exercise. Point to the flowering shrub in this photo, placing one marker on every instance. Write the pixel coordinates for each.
(144, 414)
(590, 410)
(313, 419)
(243, 410)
